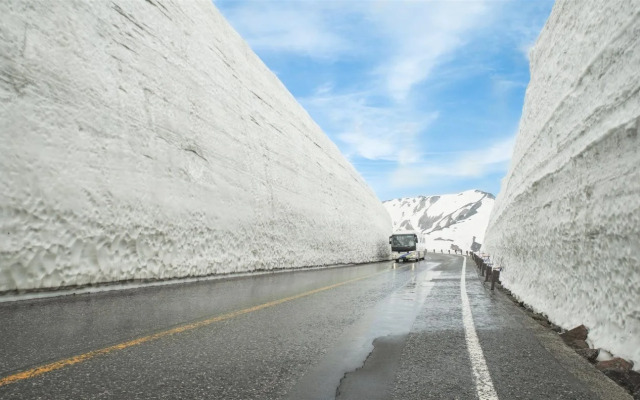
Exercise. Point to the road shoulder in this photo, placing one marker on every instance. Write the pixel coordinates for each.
(598, 383)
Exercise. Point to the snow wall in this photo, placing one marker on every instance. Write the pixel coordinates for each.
(145, 140)
(566, 224)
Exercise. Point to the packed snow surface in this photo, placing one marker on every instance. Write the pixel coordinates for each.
(445, 220)
(566, 224)
(145, 140)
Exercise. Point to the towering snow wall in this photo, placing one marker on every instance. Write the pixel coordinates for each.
(145, 140)
(566, 224)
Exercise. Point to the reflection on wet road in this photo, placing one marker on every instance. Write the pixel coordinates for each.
(391, 316)
(371, 331)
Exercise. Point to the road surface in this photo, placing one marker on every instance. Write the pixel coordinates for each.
(427, 330)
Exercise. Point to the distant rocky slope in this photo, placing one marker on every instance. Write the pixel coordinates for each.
(447, 221)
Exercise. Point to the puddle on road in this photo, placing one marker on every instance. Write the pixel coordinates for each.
(374, 379)
(393, 316)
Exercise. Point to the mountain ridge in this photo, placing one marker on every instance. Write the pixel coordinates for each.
(447, 221)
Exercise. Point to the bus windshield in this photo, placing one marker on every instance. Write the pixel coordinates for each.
(403, 241)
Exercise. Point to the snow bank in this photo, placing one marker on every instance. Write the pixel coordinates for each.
(566, 224)
(145, 140)
(449, 219)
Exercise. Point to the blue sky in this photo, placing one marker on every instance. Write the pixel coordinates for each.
(423, 97)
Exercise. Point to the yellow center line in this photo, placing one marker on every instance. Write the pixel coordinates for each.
(43, 369)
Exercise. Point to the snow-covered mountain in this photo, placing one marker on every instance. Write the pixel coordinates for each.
(447, 221)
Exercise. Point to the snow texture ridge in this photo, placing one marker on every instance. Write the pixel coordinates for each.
(145, 140)
(566, 224)
(450, 219)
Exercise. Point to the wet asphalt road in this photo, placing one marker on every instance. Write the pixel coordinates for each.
(371, 331)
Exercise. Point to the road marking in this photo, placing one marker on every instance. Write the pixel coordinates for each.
(43, 369)
(484, 385)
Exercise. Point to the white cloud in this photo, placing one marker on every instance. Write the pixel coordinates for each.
(525, 48)
(389, 133)
(465, 164)
(406, 39)
(423, 35)
(524, 26)
(304, 28)
(502, 86)
(397, 55)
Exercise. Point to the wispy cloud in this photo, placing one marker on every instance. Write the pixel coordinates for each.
(422, 35)
(461, 165)
(298, 28)
(404, 39)
(383, 122)
(399, 83)
(394, 141)
(374, 132)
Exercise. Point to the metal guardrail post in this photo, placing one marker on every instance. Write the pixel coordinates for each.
(494, 276)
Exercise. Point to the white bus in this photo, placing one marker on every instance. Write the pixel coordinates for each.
(407, 246)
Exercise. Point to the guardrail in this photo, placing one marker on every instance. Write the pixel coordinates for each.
(487, 269)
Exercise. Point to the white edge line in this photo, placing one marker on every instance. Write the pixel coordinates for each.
(484, 384)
